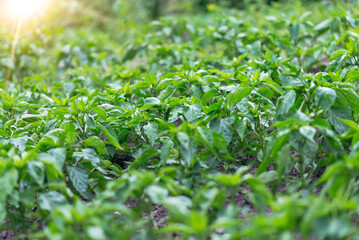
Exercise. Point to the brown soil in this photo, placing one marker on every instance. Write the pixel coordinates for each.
(7, 234)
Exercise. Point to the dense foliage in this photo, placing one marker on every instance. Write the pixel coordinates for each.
(219, 125)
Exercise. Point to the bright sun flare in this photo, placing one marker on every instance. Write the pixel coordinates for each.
(25, 8)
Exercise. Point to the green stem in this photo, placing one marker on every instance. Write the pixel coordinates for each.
(302, 170)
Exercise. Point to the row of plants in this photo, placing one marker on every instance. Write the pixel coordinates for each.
(219, 126)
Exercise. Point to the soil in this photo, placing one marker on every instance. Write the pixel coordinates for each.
(160, 215)
(178, 122)
(121, 158)
(7, 234)
(320, 66)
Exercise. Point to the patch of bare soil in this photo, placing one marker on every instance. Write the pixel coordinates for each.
(320, 66)
(160, 215)
(7, 234)
(121, 158)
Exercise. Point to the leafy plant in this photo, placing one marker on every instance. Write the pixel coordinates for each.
(225, 124)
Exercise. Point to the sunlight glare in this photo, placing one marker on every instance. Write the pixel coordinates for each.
(26, 8)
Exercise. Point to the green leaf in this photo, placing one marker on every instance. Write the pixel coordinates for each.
(241, 127)
(32, 118)
(223, 126)
(206, 137)
(174, 114)
(229, 180)
(178, 206)
(2, 212)
(150, 102)
(352, 98)
(325, 97)
(287, 103)
(20, 142)
(110, 135)
(81, 106)
(74, 108)
(309, 151)
(165, 149)
(55, 157)
(351, 46)
(36, 171)
(7, 62)
(272, 149)
(50, 125)
(335, 115)
(8, 181)
(351, 124)
(96, 232)
(90, 121)
(351, 76)
(220, 144)
(164, 84)
(208, 96)
(237, 95)
(97, 143)
(323, 25)
(151, 130)
(49, 201)
(283, 160)
(289, 82)
(88, 154)
(187, 147)
(266, 92)
(146, 155)
(101, 112)
(157, 194)
(213, 107)
(308, 132)
(192, 112)
(338, 53)
(167, 93)
(212, 162)
(294, 31)
(269, 177)
(198, 221)
(79, 179)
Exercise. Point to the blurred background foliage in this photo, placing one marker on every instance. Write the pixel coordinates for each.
(74, 32)
(124, 14)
